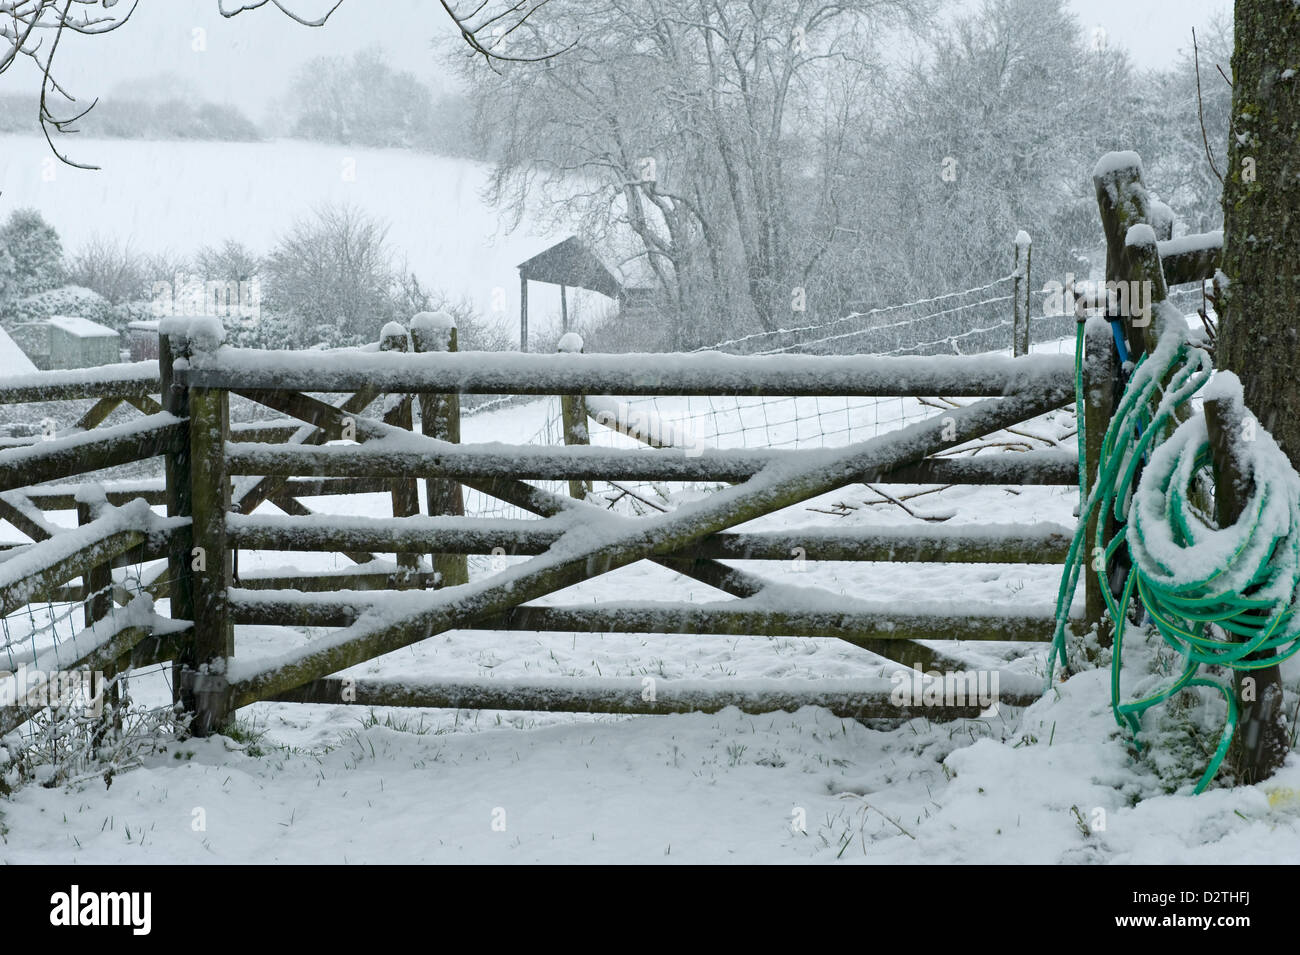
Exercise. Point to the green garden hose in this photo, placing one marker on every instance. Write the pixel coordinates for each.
(1187, 573)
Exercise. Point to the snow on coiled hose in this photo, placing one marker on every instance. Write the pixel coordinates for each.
(1215, 595)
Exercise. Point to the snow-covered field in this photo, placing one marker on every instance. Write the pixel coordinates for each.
(1051, 783)
(180, 196)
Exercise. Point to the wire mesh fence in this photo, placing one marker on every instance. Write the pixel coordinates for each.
(966, 322)
(80, 723)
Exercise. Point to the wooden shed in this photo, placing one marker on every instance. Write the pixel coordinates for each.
(68, 341)
(568, 264)
(142, 339)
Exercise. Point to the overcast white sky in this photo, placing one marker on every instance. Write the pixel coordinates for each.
(250, 59)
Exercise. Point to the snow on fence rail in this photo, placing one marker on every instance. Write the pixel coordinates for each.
(625, 374)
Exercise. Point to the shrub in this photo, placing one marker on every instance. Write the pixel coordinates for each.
(35, 255)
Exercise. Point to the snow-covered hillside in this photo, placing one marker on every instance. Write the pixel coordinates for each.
(180, 196)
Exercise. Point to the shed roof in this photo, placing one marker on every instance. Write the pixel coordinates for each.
(571, 263)
(79, 327)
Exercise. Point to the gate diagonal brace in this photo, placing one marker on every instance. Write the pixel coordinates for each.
(316, 431)
(714, 573)
(586, 552)
(326, 418)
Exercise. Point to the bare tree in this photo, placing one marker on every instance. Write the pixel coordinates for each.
(712, 130)
(332, 273)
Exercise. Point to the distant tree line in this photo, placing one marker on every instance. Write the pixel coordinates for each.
(353, 101)
(362, 101)
(132, 118)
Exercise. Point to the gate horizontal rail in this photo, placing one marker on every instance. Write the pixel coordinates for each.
(857, 622)
(133, 379)
(848, 700)
(495, 373)
(984, 543)
(526, 462)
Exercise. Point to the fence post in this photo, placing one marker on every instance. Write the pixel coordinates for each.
(180, 586)
(573, 414)
(1100, 370)
(1020, 291)
(523, 312)
(1122, 202)
(405, 492)
(210, 559)
(440, 418)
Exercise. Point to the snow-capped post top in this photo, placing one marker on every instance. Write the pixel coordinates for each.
(1140, 235)
(433, 322)
(1225, 387)
(174, 326)
(206, 333)
(432, 331)
(1022, 240)
(1112, 163)
(1162, 218)
(570, 344)
(176, 329)
(392, 337)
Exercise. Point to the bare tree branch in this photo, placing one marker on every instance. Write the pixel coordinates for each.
(22, 23)
(1200, 108)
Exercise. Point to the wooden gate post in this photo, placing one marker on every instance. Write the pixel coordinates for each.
(440, 418)
(1100, 369)
(210, 560)
(405, 492)
(573, 414)
(1020, 291)
(97, 597)
(1123, 202)
(180, 585)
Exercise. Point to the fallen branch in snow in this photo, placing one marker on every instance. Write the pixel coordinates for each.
(895, 501)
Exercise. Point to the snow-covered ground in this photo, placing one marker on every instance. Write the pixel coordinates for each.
(1052, 783)
(334, 786)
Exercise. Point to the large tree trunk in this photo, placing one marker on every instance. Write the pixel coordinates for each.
(1260, 328)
